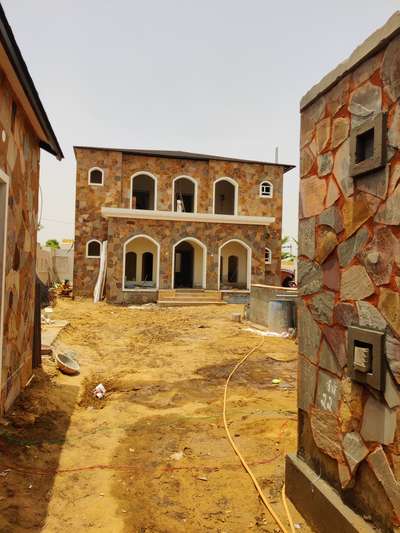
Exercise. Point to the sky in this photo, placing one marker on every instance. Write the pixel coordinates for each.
(222, 77)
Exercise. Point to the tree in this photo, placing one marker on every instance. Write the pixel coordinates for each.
(53, 243)
(286, 253)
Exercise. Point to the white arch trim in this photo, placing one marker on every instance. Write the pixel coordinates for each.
(195, 191)
(236, 185)
(154, 178)
(102, 177)
(270, 195)
(248, 277)
(143, 236)
(204, 247)
(87, 249)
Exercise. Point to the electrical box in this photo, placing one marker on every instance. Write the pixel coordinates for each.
(365, 359)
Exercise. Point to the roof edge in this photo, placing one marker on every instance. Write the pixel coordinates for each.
(18, 63)
(171, 154)
(372, 45)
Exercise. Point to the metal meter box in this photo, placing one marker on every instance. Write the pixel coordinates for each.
(365, 358)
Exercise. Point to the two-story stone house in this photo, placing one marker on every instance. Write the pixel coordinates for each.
(175, 220)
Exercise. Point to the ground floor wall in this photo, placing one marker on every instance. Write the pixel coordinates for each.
(167, 234)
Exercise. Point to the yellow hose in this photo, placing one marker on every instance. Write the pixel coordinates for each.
(242, 460)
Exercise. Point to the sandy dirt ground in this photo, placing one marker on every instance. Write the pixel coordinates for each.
(152, 457)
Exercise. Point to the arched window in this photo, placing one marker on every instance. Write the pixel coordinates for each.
(268, 256)
(130, 266)
(147, 266)
(96, 176)
(225, 196)
(233, 265)
(144, 191)
(266, 189)
(93, 248)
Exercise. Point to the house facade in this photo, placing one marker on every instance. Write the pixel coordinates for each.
(24, 129)
(175, 220)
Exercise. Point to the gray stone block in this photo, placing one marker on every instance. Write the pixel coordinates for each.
(379, 422)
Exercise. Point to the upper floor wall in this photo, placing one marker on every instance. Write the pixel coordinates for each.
(117, 179)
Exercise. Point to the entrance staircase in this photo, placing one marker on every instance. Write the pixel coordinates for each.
(188, 297)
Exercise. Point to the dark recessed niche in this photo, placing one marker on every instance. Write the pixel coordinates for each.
(368, 146)
(365, 145)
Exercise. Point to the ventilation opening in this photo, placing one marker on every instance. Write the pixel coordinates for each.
(365, 145)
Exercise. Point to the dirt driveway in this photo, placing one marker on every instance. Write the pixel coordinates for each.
(153, 455)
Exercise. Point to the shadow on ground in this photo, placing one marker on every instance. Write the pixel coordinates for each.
(31, 439)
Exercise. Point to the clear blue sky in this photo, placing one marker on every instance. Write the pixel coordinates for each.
(215, 76)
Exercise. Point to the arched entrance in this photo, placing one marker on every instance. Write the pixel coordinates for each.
(141, 263)
(234, 265)
(189, 264)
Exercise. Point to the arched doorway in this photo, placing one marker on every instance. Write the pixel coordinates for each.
(184, 194)
(143, 191)
(225, 196)
(189, 264)
(234, 265)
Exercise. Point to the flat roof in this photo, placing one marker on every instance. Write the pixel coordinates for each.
(174, 154)
(373, 44)
(16, 66)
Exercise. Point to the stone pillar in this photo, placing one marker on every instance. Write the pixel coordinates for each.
(348, 458)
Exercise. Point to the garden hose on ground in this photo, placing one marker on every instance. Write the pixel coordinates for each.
(242, 460)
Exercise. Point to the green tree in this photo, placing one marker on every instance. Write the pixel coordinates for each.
(53, 243)
(286, 252)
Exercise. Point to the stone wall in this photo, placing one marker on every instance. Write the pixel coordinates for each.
(119, 167)
(349, 274)
(19, 159)
(166, 233)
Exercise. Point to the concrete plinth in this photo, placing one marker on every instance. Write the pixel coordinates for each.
(318, 503)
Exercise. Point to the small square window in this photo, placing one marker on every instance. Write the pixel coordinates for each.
(368, 146)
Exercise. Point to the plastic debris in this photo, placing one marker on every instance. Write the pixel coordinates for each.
(99, 391)
(276, 381)
(283, 335)
(176, 456)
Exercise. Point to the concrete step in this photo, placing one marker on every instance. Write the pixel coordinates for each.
(188, 303)
(192, 295)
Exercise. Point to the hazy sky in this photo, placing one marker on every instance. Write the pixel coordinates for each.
(215, 76)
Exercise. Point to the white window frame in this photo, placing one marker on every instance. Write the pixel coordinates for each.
(271, 193)
(269, 260)
(195, 192)
(87, 249)
(102, 177)
(4, 182)
(236, 201)
(141, 289)
(141, 173)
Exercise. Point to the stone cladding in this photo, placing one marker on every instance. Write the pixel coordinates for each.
(19, 159)
(119, 167)
(349, 274)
